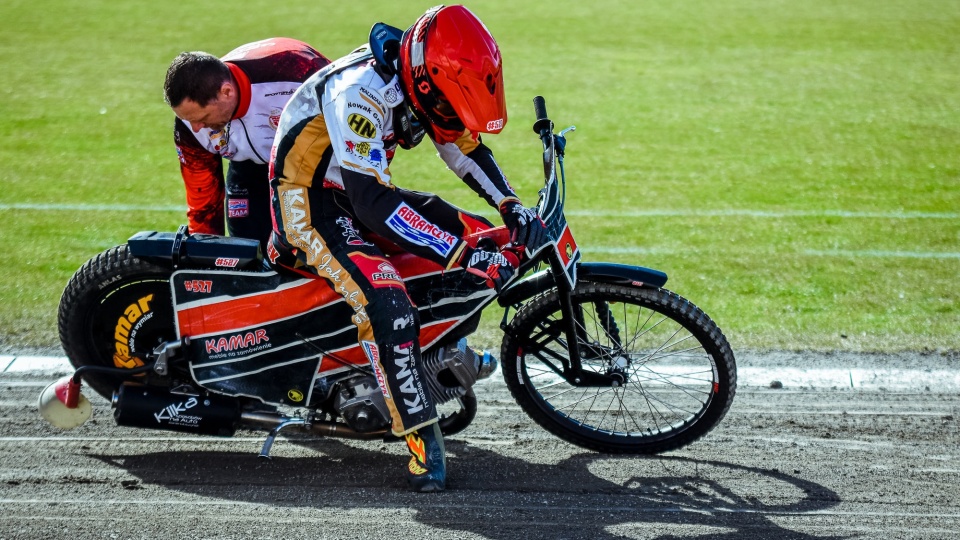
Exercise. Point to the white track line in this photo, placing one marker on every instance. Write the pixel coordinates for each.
(92, 207)
(767, 214)
(577, 213)
(843, 253)
(727, 509)
(890, 379)
(620, 250)
(875, 253)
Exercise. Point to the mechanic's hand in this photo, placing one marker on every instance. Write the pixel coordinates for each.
(525, 226)
(497, 268)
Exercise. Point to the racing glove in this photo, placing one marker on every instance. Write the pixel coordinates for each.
(525, 226)
(495, 267)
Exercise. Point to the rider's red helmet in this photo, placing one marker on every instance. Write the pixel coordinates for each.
(452, 72)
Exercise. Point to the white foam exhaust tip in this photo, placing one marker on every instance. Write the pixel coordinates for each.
(62, 404)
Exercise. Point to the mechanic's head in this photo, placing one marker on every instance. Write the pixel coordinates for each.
(200, 89)
(452, 72)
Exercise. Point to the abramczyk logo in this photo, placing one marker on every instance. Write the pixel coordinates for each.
(406, 222)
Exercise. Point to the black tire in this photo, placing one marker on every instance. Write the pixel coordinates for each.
(680, 372)
(457, 414)
(114, 311)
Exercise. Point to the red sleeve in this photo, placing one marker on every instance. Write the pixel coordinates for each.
(202, 173)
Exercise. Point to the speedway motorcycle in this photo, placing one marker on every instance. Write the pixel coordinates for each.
(199, 334)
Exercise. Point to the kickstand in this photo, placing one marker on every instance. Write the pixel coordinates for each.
(267, 444)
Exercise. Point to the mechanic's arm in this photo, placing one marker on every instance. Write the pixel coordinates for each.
(202, 173)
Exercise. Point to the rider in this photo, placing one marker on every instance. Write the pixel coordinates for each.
(229, 108)
(331, 180)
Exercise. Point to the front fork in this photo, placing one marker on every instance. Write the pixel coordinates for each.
(574, 331)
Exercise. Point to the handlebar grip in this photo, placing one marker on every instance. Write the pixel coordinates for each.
(540, 106)
(542, 123)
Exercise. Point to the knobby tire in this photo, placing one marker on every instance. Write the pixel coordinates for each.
(679, 369)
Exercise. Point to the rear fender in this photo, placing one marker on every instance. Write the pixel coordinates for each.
(588, 272)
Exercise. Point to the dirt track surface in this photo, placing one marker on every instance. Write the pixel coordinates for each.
(799, 462)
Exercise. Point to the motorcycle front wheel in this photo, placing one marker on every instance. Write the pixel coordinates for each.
(114, 311)
(674, 372)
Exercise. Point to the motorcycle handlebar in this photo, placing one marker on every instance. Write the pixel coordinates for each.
(540, 106)
(542, 123)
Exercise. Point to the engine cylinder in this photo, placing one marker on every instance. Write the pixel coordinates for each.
(157, 408)
(451, 371)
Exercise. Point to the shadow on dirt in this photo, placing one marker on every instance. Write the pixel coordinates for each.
(586, 495)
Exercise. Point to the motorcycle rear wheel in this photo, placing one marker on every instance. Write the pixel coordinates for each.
(113, 312)
(679, 372)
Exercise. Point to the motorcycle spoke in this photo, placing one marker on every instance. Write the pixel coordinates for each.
(669, 374)
(658, 372)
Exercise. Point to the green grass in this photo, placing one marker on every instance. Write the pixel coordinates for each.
(791, 165)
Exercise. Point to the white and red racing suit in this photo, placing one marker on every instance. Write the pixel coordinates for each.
(266, 73)
(331, 185)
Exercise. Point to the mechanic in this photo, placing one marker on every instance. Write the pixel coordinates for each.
(331, 182)
(229, 108)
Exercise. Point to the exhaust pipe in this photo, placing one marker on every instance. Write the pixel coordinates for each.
(149, 407)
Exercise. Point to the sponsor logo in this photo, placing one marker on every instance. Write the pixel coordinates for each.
(219, 140)
(295, 395)
(406, 222)
(494, 125)
(198, 286)
(566, 246)
(350, 232)
(236, 342)
(274, 117)
(363, 149)
(378, 270)
(372, 95)
(133, 318)
(393, 95)
(362, 126)
(410, 384)
(238, 208)
(272, 253)
(182, 159)
(386, 272)
(361, 106)
(227, 262)
(373, 354)
(296, 215)
(281, 93)
(174, 414)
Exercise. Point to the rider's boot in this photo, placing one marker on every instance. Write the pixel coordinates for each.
(427, 469)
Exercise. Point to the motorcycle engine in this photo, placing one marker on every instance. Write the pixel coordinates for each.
(361, 404)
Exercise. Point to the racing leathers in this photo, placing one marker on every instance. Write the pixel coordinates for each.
(266, 74)
(331, 185)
